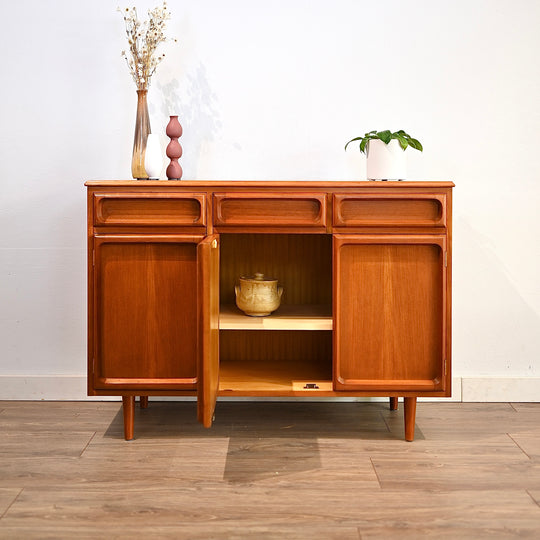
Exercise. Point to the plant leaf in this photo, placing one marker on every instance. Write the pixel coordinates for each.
(352, 140)
(402, 141)
(416, 144)
(363, 145)
(385, 136)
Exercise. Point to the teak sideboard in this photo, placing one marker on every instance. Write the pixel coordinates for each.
(366, 308)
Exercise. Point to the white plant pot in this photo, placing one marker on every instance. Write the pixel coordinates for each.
(386, 161)
(153, 159)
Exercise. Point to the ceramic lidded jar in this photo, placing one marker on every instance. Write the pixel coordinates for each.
(258, 296)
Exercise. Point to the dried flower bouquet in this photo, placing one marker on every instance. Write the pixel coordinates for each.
(144, 39)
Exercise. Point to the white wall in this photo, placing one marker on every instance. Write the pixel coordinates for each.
(273, 90)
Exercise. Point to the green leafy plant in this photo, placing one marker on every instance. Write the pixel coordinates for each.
(386, 136)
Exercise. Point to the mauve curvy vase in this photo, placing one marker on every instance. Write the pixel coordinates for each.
(174, 150)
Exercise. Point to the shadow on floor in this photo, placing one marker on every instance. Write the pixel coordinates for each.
(358, 420)
(267, 439)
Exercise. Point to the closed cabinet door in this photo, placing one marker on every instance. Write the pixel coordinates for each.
(390, 313)
(145, 312)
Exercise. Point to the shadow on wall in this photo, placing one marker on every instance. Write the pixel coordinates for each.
(495, 325)
(195, 104)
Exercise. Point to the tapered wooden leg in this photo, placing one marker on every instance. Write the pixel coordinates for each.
(128, 406)
(410, 417)
(144, 402)
(393, 403)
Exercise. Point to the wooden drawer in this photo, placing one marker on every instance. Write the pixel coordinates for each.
(174, 209)
(270, 210)
(389, 209)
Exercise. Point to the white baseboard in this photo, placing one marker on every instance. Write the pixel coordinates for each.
(486, 389)
(73, 388)
(46, 387)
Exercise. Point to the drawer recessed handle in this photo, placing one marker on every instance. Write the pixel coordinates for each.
(311, 386)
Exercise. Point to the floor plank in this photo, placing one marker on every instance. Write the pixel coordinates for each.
(44, 444)
(529, 442)
(535, 495)
(270, 470)
(526, 407)
(275, 508)
(203, 531)
(7, 497)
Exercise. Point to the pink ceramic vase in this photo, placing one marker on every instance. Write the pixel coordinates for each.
(174, 150)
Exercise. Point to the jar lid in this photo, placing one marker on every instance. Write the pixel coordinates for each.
(258, 277)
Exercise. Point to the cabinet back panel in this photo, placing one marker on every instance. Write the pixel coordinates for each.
(275, 357)
(302, 264)
(390, 314)
(147, 311)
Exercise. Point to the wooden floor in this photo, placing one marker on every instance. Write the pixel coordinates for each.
(269, 470)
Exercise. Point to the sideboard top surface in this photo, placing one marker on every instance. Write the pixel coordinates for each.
(261, 184)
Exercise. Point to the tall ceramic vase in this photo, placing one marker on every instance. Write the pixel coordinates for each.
(142, 129)
(174, 150)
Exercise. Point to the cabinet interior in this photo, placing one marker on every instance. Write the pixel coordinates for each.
(292, 348)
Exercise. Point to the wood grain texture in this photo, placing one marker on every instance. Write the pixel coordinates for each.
(270, 470)
(128, 410)
(409, 412)
(302, 317)
(270, 210)
(7, 498)
(266, 361)
(392, 209)
(146, 313)
(389, 313)
(208, 328)
(263, 185)
(150, 209)
(153, 323)
(302, 264)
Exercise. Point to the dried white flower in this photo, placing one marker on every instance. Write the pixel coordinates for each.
(143, 40)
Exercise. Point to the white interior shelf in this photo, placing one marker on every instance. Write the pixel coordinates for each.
(305, 317)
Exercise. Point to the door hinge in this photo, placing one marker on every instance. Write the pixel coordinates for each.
(214, 243)
(93, 257)
(445, 259)
(444, 369)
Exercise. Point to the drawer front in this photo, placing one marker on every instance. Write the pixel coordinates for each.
(175, 209)
(270, 210)
(371, 209)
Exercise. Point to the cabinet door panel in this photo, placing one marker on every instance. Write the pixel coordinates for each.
(145, 312)
(208, 273)
(390, 313)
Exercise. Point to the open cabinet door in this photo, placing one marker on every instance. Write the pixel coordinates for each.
(208, 328)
